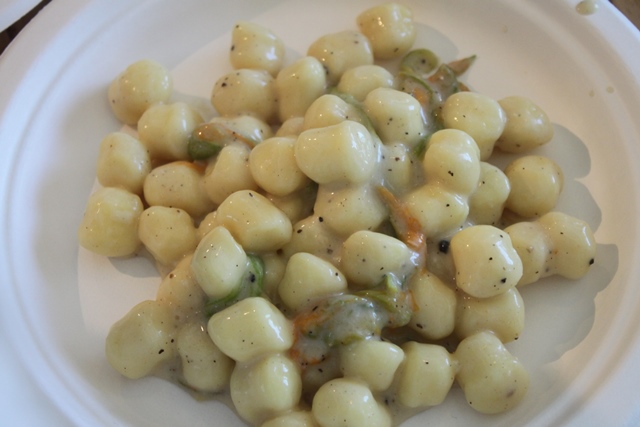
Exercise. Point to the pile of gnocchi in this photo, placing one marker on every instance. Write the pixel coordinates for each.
(335, 246)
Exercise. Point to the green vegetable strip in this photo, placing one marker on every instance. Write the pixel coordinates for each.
(208, 139)
(345, 318)
(390, 296)
(430, 90)
(202, 150)
(363, 117)
(251, 285)
(420, 62)
(460, 66)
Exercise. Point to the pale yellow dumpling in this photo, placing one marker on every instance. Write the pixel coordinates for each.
(139, 86)
(390, 28)
(256, 47)
(109, 226)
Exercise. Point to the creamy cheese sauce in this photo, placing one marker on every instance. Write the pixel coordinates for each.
(587, 7)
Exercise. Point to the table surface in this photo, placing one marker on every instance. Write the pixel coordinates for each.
(630, 8)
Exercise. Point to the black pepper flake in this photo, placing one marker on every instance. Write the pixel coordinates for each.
(320, 219)
(591, 261)
(224, 84)
(503, 280)
(443, 246)
(161, 351)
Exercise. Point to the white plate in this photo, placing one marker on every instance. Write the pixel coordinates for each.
(57, 301)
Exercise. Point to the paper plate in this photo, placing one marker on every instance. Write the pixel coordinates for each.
(580, 341)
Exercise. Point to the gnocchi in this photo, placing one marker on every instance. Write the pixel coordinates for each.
(536, 183)
(427, 375)
(110, 223)
(141, 341)
(168, 233)
(336, 243)
(341, 51)
(344, 402)
(204, 367)
(298, 85)
(265, 388)
(165, 128)
(390, 28)
(478, 115)
(492, 379)
(527, 126)
(177, 185)
(256, 47)
(246, 91)
(139, 86)
(123, 161)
